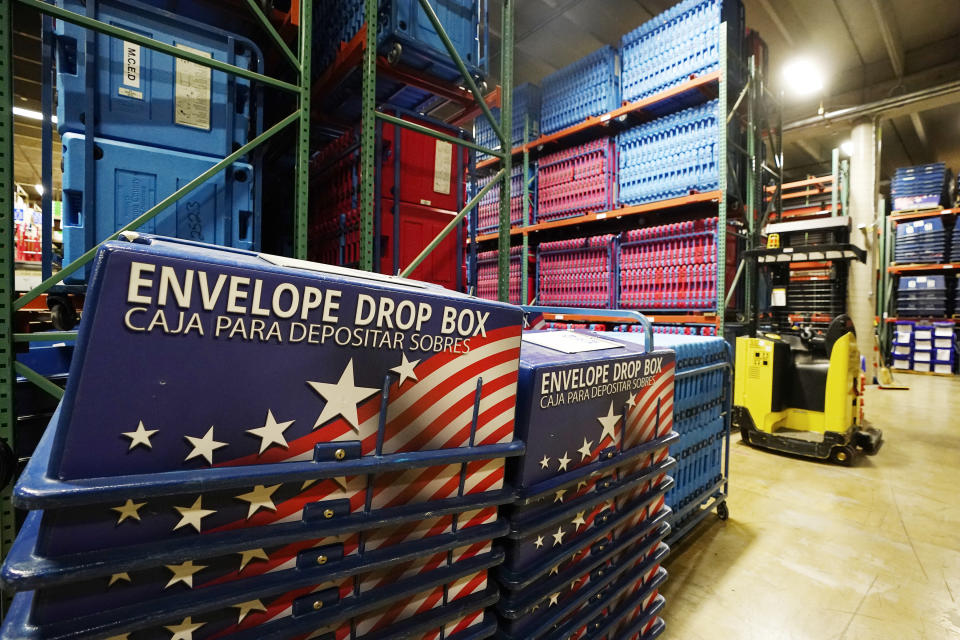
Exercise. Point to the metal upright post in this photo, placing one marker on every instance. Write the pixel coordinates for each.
(754, 189)
(835, 175)
(526, 204)
(506, 126)
(303, 135)
(722, 181)
(7, 376)
(368, 135)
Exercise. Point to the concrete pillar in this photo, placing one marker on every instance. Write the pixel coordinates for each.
(861, 290)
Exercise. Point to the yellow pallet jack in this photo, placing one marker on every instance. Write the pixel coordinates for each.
(802, 395)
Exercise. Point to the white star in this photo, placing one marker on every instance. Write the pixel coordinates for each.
(631, 401)
(538, 542)
(204, 446)
(141, 436)
(578, 520)
(307, 484)
(193, 514)
(246, 557)
(555, 570)
(184, 630)
(405, 369)
(554, 599)
(260, 498)
(545, 463)
(581, 485)
(247, 607)
(563, 462)
(119, 577)
(128, 509)
(585, 450)
(558, 496)
(608, 422)
(558, 536)
(183, 573)
(342, 398)
(271, 432)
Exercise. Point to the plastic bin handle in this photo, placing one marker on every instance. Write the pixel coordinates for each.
(626, 314)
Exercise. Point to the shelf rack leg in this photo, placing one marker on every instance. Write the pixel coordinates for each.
(506, 125)
(303, 141)
(368, 134)
(722, 181)
(7, 376)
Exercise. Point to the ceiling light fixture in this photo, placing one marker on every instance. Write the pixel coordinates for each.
(846, 147)
(39, 188)
(803, 77)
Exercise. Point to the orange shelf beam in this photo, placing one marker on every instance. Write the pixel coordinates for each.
(914, 215)
(650, 207)
(901, 268)
(701, 83)
(920, 319)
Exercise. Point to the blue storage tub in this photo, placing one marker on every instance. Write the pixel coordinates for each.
(130, 179)
(146, 97)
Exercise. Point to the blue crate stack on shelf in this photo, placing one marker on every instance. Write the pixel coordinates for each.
(944, 347)
(160, 122)
(924, 296)
(921, 187)
(954, 246)
(670, 157)
(585, 544)
(588, 87)
(902, 349)
(921, 242)
(525, 122)
(677, 44)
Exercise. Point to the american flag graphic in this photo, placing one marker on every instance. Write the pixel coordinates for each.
(425, 370)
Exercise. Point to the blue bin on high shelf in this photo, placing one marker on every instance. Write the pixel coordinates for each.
(142, 96)
(131, 178)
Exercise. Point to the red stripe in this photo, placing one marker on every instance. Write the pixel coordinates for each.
(471, 587)
(467, 622)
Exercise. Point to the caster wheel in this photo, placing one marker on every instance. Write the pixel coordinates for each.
(8, 464)
(723, 512)
(62, 314)
(393, 56)
(842, 455)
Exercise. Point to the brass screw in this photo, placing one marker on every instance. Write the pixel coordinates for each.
(317, 605)
(321, 559)
(340, 454)
(328, 513)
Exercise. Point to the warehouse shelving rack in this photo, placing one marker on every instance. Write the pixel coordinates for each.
(752, 106)
(9, 367)
(302, 89)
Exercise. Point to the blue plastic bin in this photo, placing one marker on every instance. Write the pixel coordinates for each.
(142, 96)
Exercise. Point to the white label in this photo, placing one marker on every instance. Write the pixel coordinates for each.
(601, 216)
(131, 65)
(425, 202)
(192, 97)
(441, 167)
(569, 342)
(130, 93)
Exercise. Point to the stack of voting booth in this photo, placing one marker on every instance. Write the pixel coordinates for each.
(585, 543)
(298, 451)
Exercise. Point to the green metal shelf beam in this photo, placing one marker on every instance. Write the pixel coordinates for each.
(275, 36)
(427, 131)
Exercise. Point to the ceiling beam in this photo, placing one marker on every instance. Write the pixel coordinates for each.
(811, 148)
(787, 22)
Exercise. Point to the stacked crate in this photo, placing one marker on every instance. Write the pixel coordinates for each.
(670, 157)
(578, 180)
(317, 503)
(127, 155)
(934, 349)
(487, 270)
(954, 249)
(421, 188)
(680, 43)
(924, 296)
(585, 544)
(578, 272)
(921, 187)
(670, 329)
(902, 347)
(488, 211)
(921, 242)
(588, 87)
(525, 120)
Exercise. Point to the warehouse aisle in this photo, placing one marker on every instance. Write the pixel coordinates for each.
(785, 565)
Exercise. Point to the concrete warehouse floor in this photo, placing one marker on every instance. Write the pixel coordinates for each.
(825, 552)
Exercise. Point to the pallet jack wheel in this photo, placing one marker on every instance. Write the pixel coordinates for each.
(723, 512)
(62, 314)
(842, 455)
